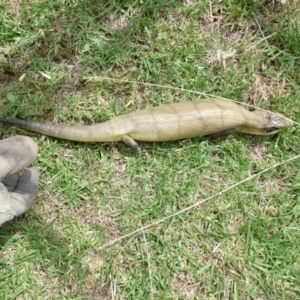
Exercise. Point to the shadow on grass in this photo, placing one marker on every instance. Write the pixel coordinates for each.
(52, 254)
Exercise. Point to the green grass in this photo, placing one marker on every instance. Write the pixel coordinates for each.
(243, 244)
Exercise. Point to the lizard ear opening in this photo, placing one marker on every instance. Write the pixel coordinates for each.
(271, 129)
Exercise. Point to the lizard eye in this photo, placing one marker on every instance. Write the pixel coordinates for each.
(271, 129)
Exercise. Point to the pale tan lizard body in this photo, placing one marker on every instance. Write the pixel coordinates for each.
(168, 122)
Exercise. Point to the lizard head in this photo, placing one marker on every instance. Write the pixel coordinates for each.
(266, 123)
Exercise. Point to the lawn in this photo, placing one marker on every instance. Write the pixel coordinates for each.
(110, 225)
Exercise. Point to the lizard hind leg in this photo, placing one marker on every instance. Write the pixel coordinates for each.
(131, 143)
